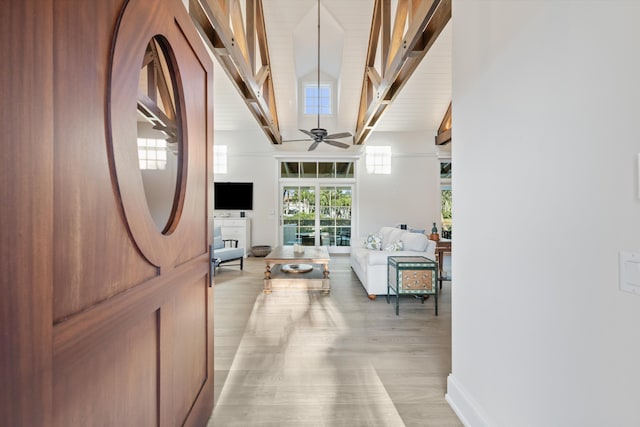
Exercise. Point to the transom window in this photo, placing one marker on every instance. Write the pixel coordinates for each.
(317, 169)
(314, 99)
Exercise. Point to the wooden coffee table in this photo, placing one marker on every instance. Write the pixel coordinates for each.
(295, 274)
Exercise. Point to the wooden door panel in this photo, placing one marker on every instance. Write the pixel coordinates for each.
(133, 313)
(113, 381)
(189, 346)
(92, 249)
(26, 212)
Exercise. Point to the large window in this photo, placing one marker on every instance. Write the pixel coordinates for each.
(314, 99)
(316, 205)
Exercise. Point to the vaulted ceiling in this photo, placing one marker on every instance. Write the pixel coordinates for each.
(290, 29)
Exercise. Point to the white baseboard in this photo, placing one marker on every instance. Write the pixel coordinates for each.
(465, 407)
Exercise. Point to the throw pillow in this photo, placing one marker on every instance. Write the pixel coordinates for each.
(415, 242)
(417, 230)
(373, 241)
(398, 245)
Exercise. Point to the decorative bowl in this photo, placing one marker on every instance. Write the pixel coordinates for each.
(260, 250)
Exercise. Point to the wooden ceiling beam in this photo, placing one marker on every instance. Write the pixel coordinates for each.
(444, 131)
(232, 39)
(237, 27)
(410, 41)
(402, 10)
(251, 32)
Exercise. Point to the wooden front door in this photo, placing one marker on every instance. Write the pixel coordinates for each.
(106, 313)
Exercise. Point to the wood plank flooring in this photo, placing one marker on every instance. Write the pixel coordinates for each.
(298, 358)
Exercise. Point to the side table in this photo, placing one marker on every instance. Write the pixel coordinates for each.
(443, 246)
(412, 275)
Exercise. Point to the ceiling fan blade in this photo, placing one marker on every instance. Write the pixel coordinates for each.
(296, 140)
(338, 135)
(313, 146)
(337, 144)
(306, 132)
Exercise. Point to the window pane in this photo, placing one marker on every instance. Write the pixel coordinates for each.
(220, 158)
(289, 169)
(445, 169)
(378, 160)
(344, 170)
(326, 170)
(308, 170)
(314, 98)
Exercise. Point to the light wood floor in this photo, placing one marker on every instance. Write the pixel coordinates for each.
(296, 358)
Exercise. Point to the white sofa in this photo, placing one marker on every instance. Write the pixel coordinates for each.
(370, 265)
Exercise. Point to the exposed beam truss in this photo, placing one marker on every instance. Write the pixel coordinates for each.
(444, 131)
(394, 53)
(240, 44)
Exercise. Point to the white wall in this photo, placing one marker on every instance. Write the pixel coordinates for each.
(546, 107)
(250, 159)
(410, 195)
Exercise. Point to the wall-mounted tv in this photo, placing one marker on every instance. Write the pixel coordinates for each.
(233, 196)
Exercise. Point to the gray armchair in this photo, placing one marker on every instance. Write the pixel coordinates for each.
(226, 250)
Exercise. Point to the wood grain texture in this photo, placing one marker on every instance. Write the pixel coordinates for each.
(26, 210)
(92, 248)
(121, 287)
(112, 382)
(87, 324)
(189, 347)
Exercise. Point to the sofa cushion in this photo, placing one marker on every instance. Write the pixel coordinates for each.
(373, 241)
(398, 245)
(385, 232)
(393, 235)
(378, 257)
(226, 254)
(415, 241)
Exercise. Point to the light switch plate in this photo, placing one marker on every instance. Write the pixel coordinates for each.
(630, 272)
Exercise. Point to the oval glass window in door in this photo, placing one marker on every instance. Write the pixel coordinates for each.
(159, 132)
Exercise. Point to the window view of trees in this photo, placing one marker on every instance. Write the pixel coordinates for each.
(335, 215)
(446, 198)
(299, 215)
(299, 209)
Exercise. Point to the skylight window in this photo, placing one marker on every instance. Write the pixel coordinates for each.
(378, 160)
(311, 101)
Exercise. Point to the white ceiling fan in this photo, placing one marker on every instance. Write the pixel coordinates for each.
(318, 134)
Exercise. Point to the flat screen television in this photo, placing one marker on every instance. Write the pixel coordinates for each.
(233, 196)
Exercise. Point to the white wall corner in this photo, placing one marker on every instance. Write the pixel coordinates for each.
(463, 404)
